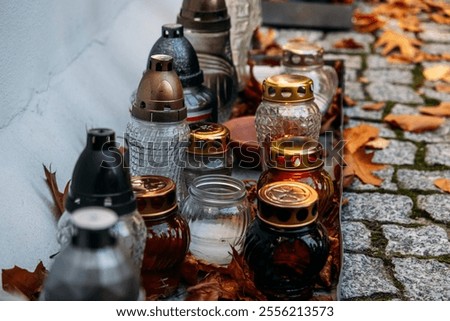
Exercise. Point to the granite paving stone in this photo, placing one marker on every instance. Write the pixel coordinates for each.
(400, 109)
(377, 207)
(350, 61)
(364, 276)
(395, 76)
(331, 38)
(435, 35)
(284, 35)
(396, 153)
(383, 91)
(385, 131)
(420, 241)
(440, 135)
(355, 90)
(356, 236)
(436, 48)
(380, 62)
(431, 93)
(424, 280)
(387, 184)
(357, 111)
(436, 205)
(351, 75)
(421, 180)
(438, 154)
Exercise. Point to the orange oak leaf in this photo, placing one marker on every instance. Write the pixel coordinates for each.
(58, 197)
(410, 23)
(437, 72)
(374, 106)
(361, 164)
(21, 281)
(414, 123)
(399, 8)
(441, 110)
(378, 143)
(443, 184)
(358, 136)
(392, 40)
(347, 43)
(366, 22)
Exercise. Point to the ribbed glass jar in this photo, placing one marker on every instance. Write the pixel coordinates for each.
(300, 159)
(287, 109)
(306, 59)
(218, 214)
(285, 247)
(168, 234)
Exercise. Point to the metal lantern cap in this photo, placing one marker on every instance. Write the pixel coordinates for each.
(204, 15)
(160, 97)
(287, 88)
(208, 139)
(302, 54)
(287, 204)
(155, 195)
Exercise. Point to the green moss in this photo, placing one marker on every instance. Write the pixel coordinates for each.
(418, 77)
(430, 101)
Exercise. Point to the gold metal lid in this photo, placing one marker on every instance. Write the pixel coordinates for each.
(160, 97)
(208, 139)
(295, 153)
(155, 195)
(302, 53)
(286, 88)
(287, 204)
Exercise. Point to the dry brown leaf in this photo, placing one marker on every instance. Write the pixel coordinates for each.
(399, 8)
(414, 123)
(374, 106)
(363, 80)
(441, 110)
(349, 102)
(437, 72)
(361, 164)
(443, 88)
(358, 136)
(392, 40)
(21, 281)
(265, 39)
(378, 143)
(443, 184)
(366, 22)
(58, 197)
(439, 18)
(347, 43)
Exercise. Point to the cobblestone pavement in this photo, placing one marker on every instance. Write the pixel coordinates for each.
(396, 236)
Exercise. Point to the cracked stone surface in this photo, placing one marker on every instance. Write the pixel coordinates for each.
(383, 91)
(385, 131)
(420, 180)
(421, 241)
(436, 205)
(387, 184)
(396, 76)
(357, 111)
(364, 276)
(396, 153)
(377, 207)
(379, 62)
(356, 236)
(424, 280)
(438, 154)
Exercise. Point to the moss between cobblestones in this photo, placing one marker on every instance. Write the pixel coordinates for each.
(430, 101)
(418, 77)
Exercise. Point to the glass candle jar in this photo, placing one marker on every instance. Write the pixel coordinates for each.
(218, 214)
(167, 234)
(287, 109)
(300, 159)
(306, 59)
(208, 151)
(285, 247)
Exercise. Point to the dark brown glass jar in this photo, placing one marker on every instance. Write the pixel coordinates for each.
(285, 246)
(168, 234)
(299, 159)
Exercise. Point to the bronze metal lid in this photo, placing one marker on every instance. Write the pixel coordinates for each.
(204, 15)
(155, 195)
(159, 97)
(302, 53)
(208, 139)
(295, 153)
(287, 204)
(287, 88)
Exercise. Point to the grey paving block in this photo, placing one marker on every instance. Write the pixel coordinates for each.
(431, 93)
(364, 276)
(395, 76)
(356, 236)
(432, 34)
(424, 280)
(284, 35)
(377, 207)
(355, 90)
(396, 153)
(436, 48)
(400, 109)
(385, 131)
(420, 180)
(438, 154)
(440, 135)
(357, 111)
(421, 241)
(331, 38)
(385, 174)
(384, 91)
(436, 205)
(350, 61)
(380, 62)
